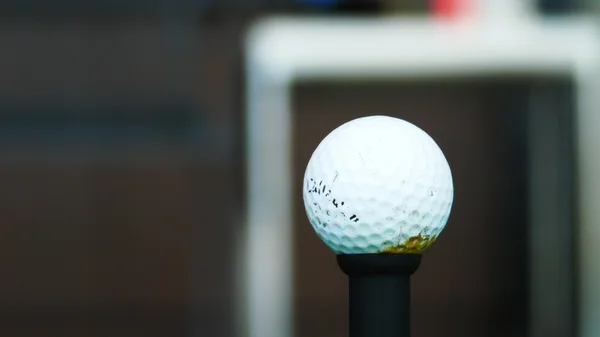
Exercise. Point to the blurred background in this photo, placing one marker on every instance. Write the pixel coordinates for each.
(123, 173)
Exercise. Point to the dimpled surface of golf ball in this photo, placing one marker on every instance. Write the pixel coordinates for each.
(378, 184)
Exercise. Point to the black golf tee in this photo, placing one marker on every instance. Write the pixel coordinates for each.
(379, 290)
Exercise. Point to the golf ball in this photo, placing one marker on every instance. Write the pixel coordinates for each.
(378, 184)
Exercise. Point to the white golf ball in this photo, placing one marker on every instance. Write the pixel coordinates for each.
(378, 184)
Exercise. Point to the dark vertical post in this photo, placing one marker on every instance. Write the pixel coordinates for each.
(379, 293)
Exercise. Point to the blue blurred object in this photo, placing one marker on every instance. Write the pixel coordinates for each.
(321, 3)
(102, 126)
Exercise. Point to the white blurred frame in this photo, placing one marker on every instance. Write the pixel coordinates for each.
(283, 51)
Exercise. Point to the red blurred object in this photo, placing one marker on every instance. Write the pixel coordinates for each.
(447, 8)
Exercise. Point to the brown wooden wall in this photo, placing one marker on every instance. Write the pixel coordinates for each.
(142, 246)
